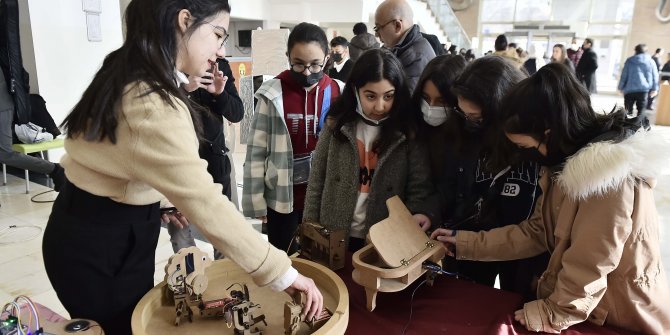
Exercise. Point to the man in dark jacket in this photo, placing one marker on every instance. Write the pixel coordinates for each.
(394, 24)
(586, 68)
(340, 55)
(666, 69)
(656, 57)
(362, 42)
(434, 43)
(221, 100)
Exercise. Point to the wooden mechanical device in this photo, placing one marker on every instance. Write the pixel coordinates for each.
(188, 274)
(322, 245)
(186, 280)
(393, 260)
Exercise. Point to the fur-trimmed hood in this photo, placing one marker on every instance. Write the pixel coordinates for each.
(603, 166)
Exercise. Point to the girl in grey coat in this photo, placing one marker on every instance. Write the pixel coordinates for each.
(368, 154)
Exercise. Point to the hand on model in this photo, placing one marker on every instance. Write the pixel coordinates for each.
(313, 298)
(447, 237)
(422, 220)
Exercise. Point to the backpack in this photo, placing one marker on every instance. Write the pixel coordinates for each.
(30, 133)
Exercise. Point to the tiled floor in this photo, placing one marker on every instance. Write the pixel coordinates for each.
(21, 266)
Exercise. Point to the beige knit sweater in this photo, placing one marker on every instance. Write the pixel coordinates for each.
(156, 154)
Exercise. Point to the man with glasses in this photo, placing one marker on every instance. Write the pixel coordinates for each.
(394, 25)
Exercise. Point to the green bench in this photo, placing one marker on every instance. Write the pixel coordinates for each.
(29, 149)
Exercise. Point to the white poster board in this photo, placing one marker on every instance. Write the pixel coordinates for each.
(268, 54)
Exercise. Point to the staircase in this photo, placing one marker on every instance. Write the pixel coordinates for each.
(448, 22)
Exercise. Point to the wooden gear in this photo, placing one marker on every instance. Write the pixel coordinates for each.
(323, 245)
(393, 260)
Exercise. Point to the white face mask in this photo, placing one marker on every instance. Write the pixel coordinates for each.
(433, 115)
(359, 110)
(574, 47)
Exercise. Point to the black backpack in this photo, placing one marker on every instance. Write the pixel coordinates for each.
(12, 62)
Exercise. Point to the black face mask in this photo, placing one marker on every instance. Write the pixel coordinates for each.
(553, 157)
(531, 154)
(473, 127)
(337, 57)
(307, 81)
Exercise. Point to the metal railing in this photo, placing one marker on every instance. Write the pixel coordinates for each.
(449, 23)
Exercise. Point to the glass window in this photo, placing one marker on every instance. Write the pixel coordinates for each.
(498, 10)
(533, 10)
(615, 29)
(570, 10)
(496, 29)
(612, 10)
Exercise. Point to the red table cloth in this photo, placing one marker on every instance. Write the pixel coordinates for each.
(451, 306)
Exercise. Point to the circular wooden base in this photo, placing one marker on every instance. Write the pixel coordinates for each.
(152, 317)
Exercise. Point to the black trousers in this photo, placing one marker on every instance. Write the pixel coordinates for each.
(650, 102)
(99, 256)
(282, 228)
(637, 98)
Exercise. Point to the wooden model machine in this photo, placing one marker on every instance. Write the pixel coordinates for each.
(393, 260)
(186, 280)
(323, 245)
(293, 319)
(240, 312)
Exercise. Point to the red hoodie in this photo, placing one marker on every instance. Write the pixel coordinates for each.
(299, 106)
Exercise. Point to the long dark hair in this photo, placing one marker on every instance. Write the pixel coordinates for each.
(148, 54)
(485, 82)
(442, 71)
(373, 66)
(554, 99)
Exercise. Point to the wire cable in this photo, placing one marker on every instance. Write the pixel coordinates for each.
(411, 301)
(14, 230)
(42, 201)
(35, 313)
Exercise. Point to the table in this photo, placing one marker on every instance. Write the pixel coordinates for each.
(451, 306)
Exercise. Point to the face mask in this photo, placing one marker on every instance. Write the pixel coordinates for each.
(574, 47)
(433, 115)
(552, 158)
(337, 57)
(307, 81)
(359, 110)
(531, 154)
(472, 127)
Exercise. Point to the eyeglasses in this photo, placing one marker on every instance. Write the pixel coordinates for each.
(225, 34)
(313, 68)
(467, 117)
(377, 28)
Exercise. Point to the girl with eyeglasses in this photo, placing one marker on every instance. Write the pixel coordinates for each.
(476, 189)
(596, 215)
(285, 130)
(368, 153)
(132, 142)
